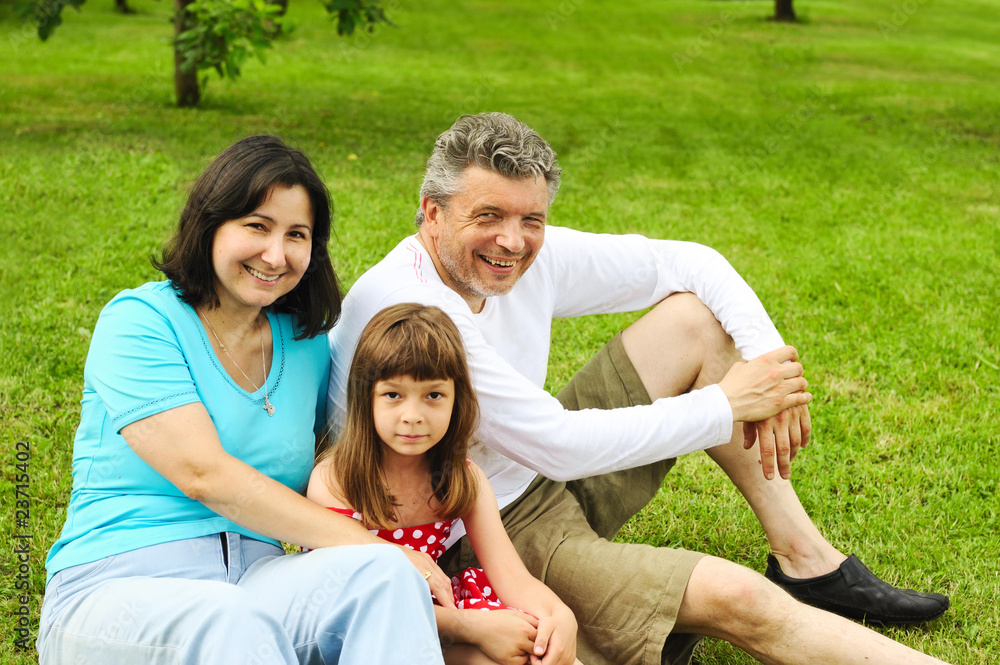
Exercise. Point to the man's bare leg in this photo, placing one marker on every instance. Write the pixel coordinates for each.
(680, 346)
(730, 602)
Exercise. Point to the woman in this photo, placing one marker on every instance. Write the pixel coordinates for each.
(202, 398)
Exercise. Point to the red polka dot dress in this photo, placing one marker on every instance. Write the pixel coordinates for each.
(472, 590)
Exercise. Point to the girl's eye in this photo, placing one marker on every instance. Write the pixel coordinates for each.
(435, 396)
(392, 395)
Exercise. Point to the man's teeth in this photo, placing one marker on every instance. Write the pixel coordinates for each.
(499, 264)
(260, 275)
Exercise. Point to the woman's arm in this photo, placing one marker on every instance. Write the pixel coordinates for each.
(320, 492)
(555, 642)
(182, 445)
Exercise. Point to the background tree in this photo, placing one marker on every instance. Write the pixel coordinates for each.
(784, 11)
(218, 35)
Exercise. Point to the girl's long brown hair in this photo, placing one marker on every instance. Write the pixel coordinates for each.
(420, 341)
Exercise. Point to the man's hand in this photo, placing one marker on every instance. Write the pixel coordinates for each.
(767, 394)
(765, 386)
(780, 437)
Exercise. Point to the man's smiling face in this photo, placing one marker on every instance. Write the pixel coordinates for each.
(488, 233)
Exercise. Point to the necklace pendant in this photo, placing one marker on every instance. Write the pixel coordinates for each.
(268, 407)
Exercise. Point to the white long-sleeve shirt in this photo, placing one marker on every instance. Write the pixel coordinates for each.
(524, 430)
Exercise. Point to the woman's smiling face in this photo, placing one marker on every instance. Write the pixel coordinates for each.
(264, 255)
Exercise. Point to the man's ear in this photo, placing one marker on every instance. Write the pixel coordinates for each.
(432, 211)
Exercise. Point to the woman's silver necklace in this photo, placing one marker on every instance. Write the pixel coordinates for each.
(267, 403)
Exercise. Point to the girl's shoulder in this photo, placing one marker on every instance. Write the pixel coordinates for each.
(476, 471)
(323, 487)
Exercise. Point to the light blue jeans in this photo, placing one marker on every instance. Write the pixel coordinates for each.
(233, 599)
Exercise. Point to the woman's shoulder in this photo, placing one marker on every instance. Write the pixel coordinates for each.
(157, 295)
(152, 306)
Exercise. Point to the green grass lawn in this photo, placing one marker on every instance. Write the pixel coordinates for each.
(847, 166)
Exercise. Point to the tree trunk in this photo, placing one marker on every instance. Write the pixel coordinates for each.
(783, 11)
(185, 83)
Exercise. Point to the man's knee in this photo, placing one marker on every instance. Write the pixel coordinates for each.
(726, 600)
(679, 346)
(687, 312)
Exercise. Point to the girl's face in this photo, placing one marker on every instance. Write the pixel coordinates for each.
(263, 256)
(412, 416)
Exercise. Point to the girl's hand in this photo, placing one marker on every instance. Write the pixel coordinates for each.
(508, 636)
(439, 583)
(555, 642)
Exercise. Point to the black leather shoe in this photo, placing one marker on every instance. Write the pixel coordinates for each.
(854, 592)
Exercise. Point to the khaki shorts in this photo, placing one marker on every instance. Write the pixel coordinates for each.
(625, 596)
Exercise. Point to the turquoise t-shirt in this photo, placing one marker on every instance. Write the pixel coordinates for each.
(150, 353)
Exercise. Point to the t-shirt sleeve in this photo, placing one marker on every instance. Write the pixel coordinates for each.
(136, 364)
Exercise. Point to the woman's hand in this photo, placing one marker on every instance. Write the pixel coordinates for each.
(438, 581)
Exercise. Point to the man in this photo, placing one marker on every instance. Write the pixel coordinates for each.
(569, 472)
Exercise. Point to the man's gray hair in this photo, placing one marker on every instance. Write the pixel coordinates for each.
(494, 141)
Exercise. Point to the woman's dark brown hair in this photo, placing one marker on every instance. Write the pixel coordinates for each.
(235, 184)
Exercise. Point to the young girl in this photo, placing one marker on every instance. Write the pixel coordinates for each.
(400, 466)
